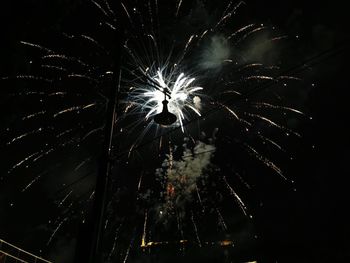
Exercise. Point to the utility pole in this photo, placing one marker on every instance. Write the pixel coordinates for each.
(89, 247)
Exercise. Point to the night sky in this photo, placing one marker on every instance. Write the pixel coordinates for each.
(309, 224)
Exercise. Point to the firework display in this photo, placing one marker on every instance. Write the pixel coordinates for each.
(178, 188)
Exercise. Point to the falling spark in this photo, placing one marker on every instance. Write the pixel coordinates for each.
(55, 231)
(236, 196)
(196, 230)
(265, 161)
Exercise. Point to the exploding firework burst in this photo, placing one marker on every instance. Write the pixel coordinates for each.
(210, 68)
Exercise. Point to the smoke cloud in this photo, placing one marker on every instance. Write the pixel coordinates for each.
(215, 54)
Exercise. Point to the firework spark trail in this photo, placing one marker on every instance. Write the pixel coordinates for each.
(143, 239)
(179, 224)
(114, 246)
(57, 68)
(81, 164)
(199, 198)
(65, 198)
(55, 231)
(75, 108)
(43, 154)
(36, 46)
(260, 105)
(221, 219)
(99, 7)
(228, 15)
(25, 135)
(240, 30)
(29, 77)
(64, 133)
(244, 37)
(256, 77)
(82, 76)
(265, 139)
(89, 39)
(278, 38)
(66, 58)
(195, 229)
(236, 197)
(179, 3)
(272, 123)
(264, 160)
(33, 181)
(234, 114)
(243, 181)
(129, 248)
(23, 161)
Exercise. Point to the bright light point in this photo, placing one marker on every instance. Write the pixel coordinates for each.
(182, 97)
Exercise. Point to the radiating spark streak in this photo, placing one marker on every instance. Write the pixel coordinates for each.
(74, 108)
(30, 116)
(199, 198)
(202, 36)
(272, 123)
(109, 7)
(229, 110)
(188, 43)
(116, 236)
(110, 25)
(55, 231)
(99, 7)
(92, 195)
(278, 38)
(194, 109)
(65, 198)
(28, 77)
(179, 3)
(241, 30)
(81, 76)
(129, 248)
(236, 197)
(221, 219)
(60, 93)
(92, 132)
(126, 12)
(82, 164)
(64, 57)
(278, 107)
(264, 160)
(259, 78)
(288, 77)
(196, 230)
(195, 89)
(232, 92)
(243, 181)
(265, 139)
(140, 183)
(23, 161)
(248, 66)
(150, 14)
(24, 135)
(64, 133)
(43, 154)
(143, 240)
(228, 15)
(33, 181)
(36, 46)
(54, 67)
(250, 33)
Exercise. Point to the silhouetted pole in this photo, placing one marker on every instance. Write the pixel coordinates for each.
(103, 178)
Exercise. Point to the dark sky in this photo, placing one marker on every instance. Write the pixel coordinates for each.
(309, 225)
